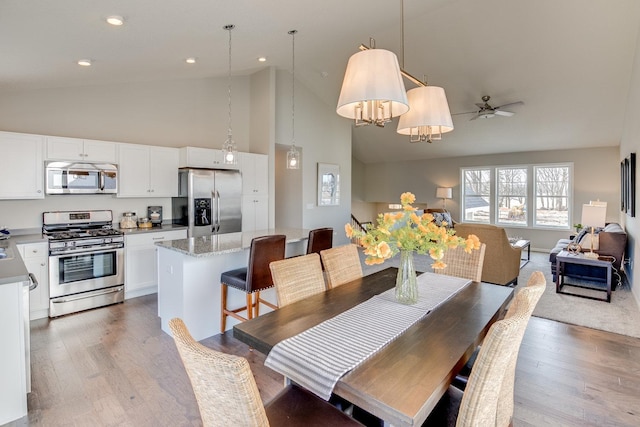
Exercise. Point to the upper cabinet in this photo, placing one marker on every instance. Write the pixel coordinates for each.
(147, 171)
(210, 158)
(255, 174)
(21, 174)
(59, 148)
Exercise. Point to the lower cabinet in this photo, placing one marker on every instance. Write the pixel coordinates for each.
(140, 264)
(255, 213)
(36, 259)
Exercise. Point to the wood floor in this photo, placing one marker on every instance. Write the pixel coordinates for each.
(114, 367)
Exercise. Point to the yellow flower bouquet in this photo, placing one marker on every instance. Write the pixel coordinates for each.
(407, 232)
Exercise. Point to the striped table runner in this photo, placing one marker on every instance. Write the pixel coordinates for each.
(319, 356)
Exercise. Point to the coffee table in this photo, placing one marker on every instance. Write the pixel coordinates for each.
(523, 244)
(565, 257)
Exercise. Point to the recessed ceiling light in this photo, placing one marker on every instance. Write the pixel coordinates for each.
(191, 60)
(262, 59)
(115, 20)
(84, 62)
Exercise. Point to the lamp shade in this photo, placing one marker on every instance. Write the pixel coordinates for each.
(428, 114)
(372, 75)
(444, 193)
(593, 215)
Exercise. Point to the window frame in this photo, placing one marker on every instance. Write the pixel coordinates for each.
(532, 191)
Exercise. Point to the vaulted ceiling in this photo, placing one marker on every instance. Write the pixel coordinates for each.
(569, 61)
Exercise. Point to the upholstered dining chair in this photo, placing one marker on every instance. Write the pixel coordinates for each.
(253, 278)
(227, 393)
(297, 278)
(341, 264)
(488, 397)
(462, 264)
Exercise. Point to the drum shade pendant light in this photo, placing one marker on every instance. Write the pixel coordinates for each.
(429, 116)
(372, 90)
(293, 155)
(229, 150)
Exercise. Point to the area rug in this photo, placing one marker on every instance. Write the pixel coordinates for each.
(621, 315)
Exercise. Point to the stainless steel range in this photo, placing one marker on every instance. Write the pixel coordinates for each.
(86, 260)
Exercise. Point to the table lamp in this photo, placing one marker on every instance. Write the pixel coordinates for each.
(444, 193)
(593, 215)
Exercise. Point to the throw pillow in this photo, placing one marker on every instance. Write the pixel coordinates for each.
(440, 217)
(585, 241)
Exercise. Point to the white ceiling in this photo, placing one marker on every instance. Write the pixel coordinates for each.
(569, 61)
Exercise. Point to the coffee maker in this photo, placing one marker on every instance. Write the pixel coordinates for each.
(154, 213)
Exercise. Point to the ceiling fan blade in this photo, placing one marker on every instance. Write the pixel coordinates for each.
(510, 104)
(466, 112)
(474, 117)
(480, 105)
(503, 113)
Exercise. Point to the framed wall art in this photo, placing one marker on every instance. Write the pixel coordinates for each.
(328, 184)
(628, 185)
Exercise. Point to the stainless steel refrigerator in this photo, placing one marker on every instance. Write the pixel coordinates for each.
(209, 201)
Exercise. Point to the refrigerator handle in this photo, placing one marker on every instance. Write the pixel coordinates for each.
(217, 211)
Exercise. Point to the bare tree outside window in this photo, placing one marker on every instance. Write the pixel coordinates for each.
(512, 196)
(552, 186)
(477, 195)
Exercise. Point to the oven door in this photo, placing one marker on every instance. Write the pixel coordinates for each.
(85, 271)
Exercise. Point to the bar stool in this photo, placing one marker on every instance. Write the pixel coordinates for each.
(319, 240)
(253, 278)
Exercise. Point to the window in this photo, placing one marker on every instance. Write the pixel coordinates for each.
(553, 186)
(518, 196)
(476, 200)
(512, 196)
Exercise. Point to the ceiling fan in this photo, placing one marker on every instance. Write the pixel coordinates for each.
(486, 111)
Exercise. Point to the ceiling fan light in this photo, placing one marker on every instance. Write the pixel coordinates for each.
(429, 116)
(372, 88)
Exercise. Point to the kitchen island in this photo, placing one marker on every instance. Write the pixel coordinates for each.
(189, 276)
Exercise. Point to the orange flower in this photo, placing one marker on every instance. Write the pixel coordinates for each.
(438, 265)
(348, 230)
(407, 198)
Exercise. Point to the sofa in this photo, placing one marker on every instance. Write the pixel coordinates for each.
(501, 260)
(610, 241)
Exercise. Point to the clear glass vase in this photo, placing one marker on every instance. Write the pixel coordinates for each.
(406, 282)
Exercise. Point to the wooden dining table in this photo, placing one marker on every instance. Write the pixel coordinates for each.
(401, 383)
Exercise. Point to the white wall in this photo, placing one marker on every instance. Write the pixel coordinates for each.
(631, 144)
(324, 137)
(596, 176)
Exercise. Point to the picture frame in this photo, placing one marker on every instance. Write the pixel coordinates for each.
(328, 184)
(631, 185)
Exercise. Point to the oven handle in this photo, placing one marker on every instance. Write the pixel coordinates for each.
(34, 282)
(86, 295)
(85, 251)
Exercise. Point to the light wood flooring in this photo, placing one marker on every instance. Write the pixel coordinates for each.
(113, 366)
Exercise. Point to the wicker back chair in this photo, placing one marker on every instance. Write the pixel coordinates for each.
(297, 278)
(462, 264)
(342, 264)
(488, 396)
(227, 393)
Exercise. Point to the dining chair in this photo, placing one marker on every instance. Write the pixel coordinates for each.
(252, 279)
(462, 264)
(227, 393)
(297, 278)
(341, 264)
(488, 397)
(319, 240)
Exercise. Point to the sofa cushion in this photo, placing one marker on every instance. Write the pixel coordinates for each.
(441, 217)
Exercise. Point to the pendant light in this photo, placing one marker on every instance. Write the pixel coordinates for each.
(229, 150)
(293, 155)
(372, 90)
(429, 116)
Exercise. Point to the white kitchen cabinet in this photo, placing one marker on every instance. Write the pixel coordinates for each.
(255, 213)
(140, 264)
(60, 148)
(210, 158)
(22, 172)
(36, 259)
(147, 171)
(13, 360)
(255, 174)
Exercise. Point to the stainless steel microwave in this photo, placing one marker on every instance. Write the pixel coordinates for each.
(81, 178)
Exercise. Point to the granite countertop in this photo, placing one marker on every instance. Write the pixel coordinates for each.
(165, 227)
(205, 246)
(12, 269)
